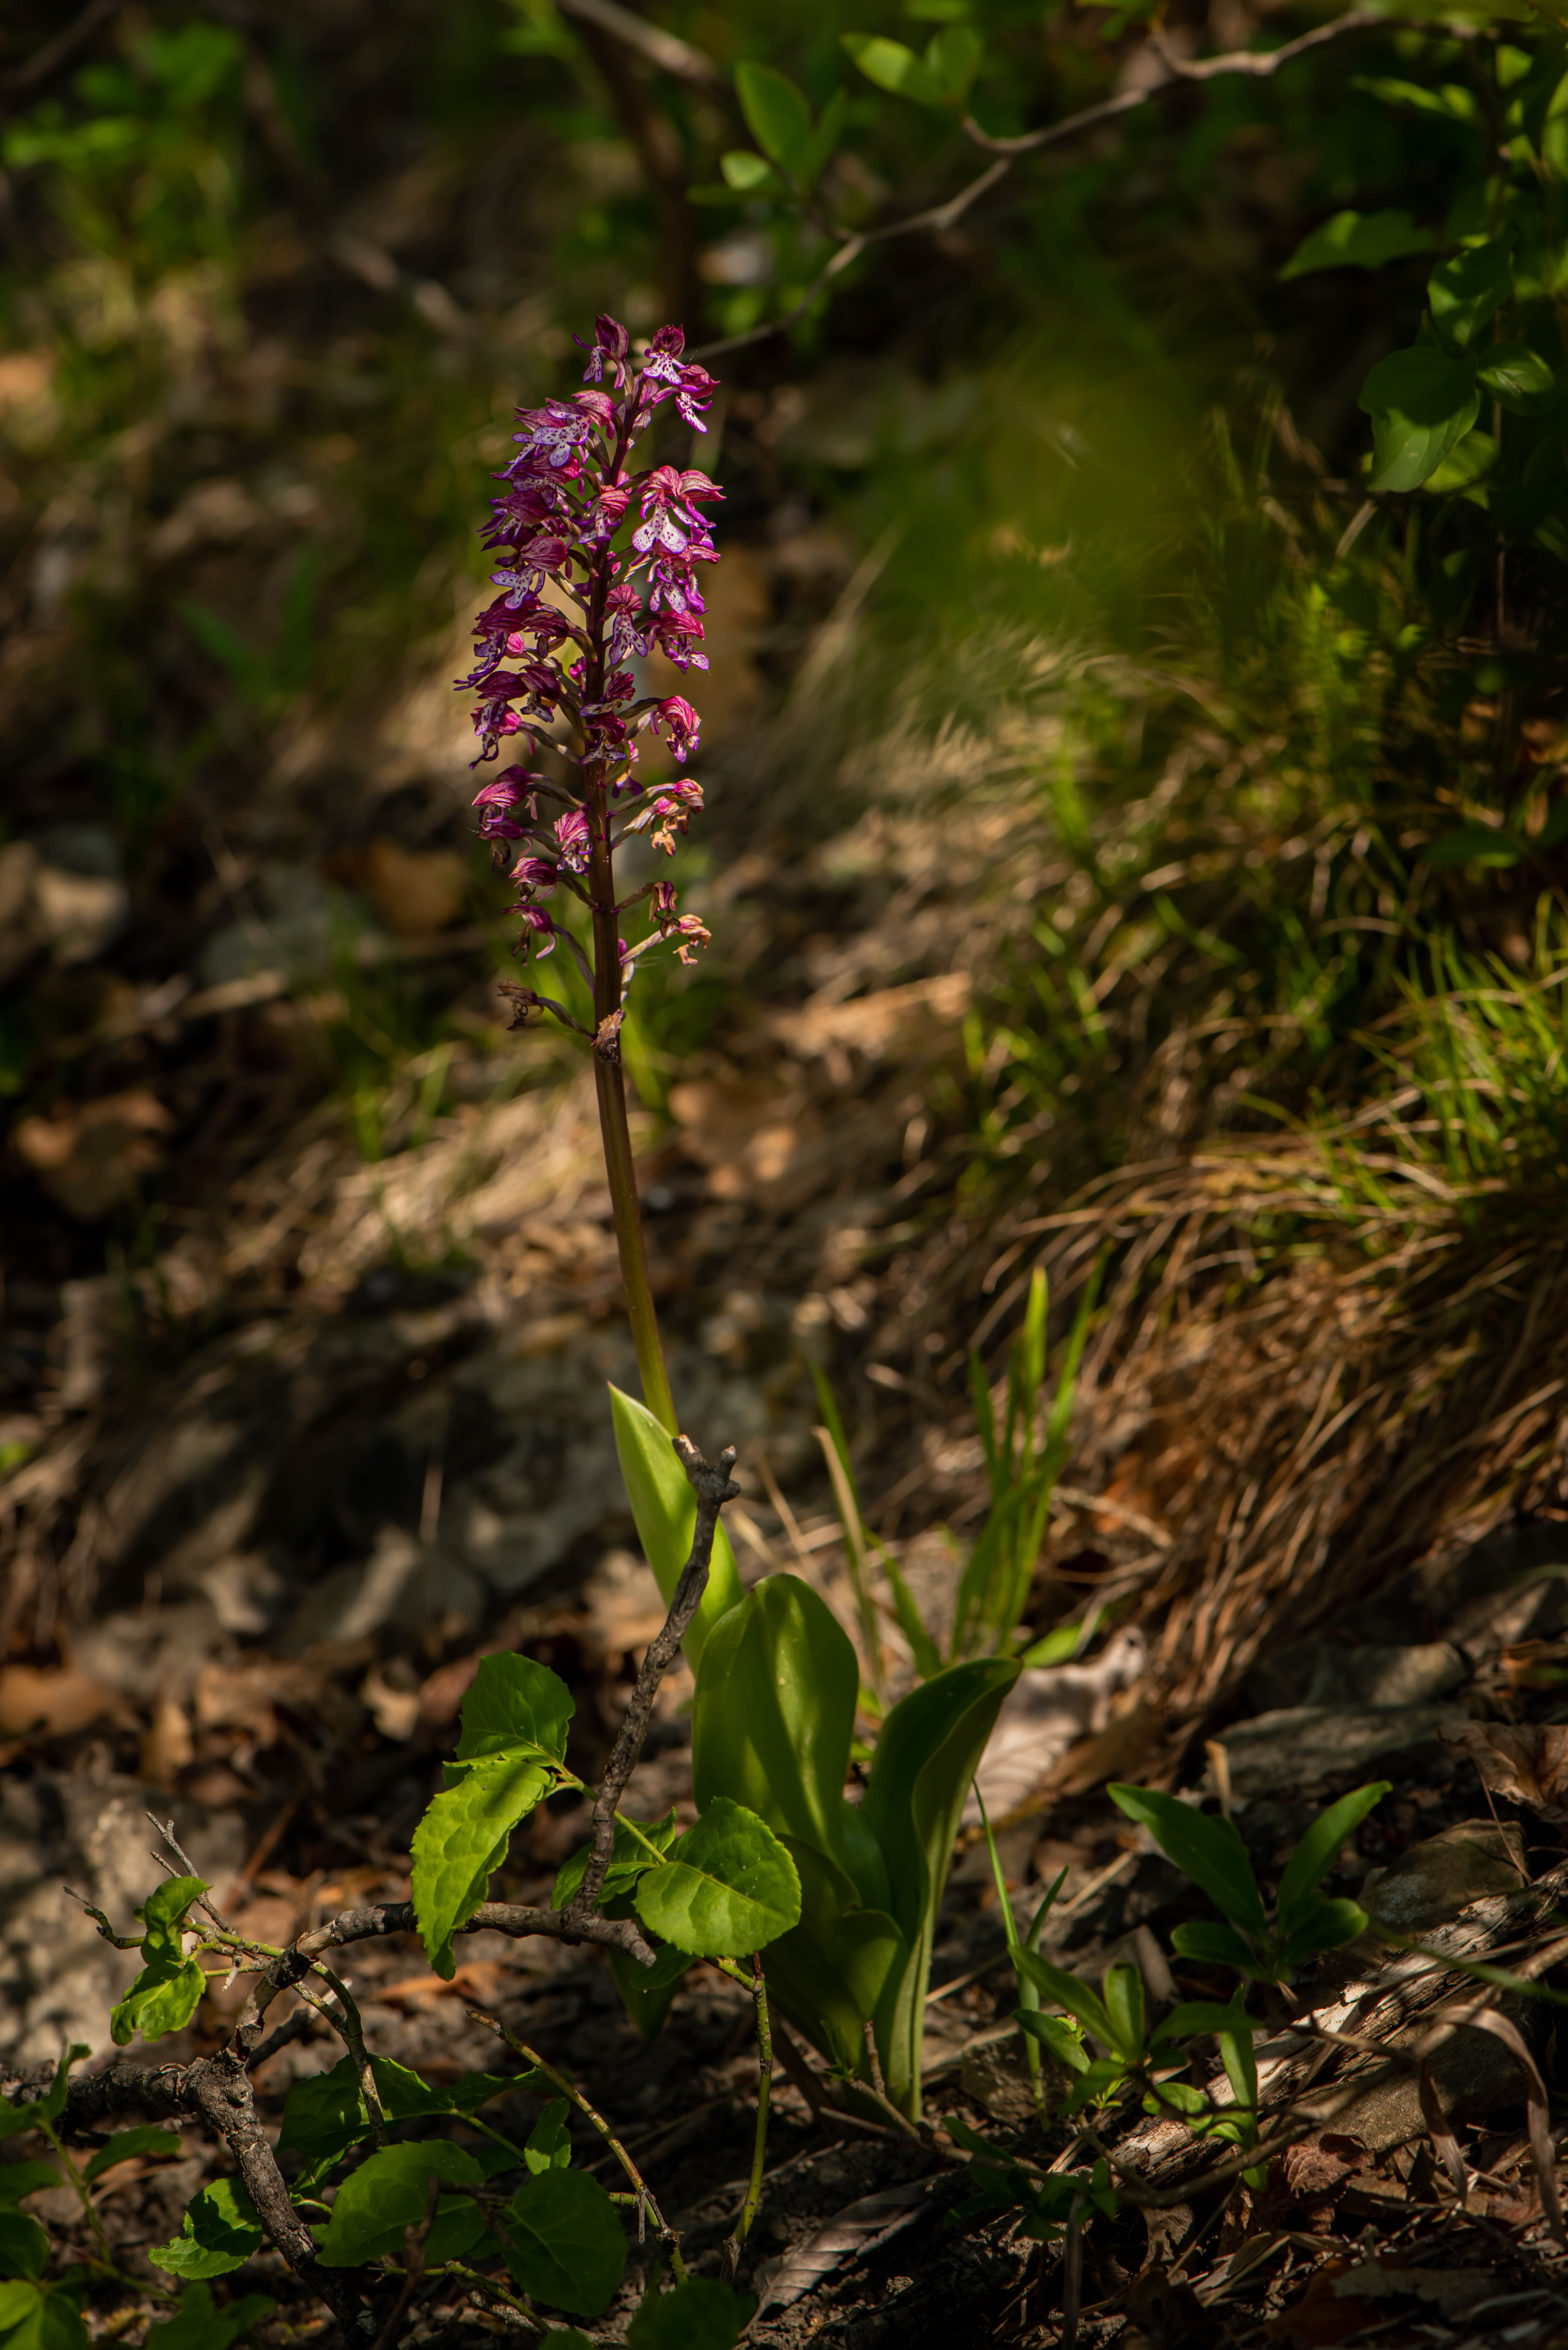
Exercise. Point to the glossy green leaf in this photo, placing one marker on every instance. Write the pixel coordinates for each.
(665, 1510)
(1477, 844)
(1315, 1855)
(52, 2104)
(1358, 240)
(462, 1841)
(772, 1720)
(24, 2245)
(389, 2192)
(323, 2115)
(167, 1992)
(1464, 292)
(548, 2145)
(728, 1888)
(894, 68)
(511, 1704)
(1327, 1926)
(1469, 460)
(1061, 2039)
(927, 1754)
(1213, 1945)
(198, 2325)
(220, 2232)
(41, 2317)
(566, 2245)
(1518, 380)
(778, 116)
(1204, 1848)
(1421, 402)
(20, 2304)
(701, 2314)
(20, 2178)
(1122, 1992)
(125, 2145)
(829, 1974)
(749, 175)
(1055, 1984)
(629, 1859)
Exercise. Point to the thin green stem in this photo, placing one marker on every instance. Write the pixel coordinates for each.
(626, 1210)
(106, 2257)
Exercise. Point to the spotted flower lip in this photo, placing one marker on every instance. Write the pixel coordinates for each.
(594, 556)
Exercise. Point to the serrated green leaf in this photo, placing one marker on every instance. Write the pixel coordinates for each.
(1206, 1848)
(24, 2245)
(1464, 292)
(629, 1859)
(127, 2144)
(728, 1888)
(778, 116)
(749, 175)
(665, 1510)
(389, 2192)
(566, 2244)
(1422, 402)
(548, 2145)
(220, 2232)
(1518, 378)
(512, 1704)
(1213, 1945)
(894, 68)
(773, 1720)
(198, 2325)
(701, 2314)
(1315, 1853)
(20, 2178)
(1358, 240)
(163, 1999)
(462, 1841)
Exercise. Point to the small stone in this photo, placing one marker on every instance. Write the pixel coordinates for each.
(1303, 1748)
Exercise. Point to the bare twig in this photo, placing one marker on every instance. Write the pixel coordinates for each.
(712, 1487)
(666, 50)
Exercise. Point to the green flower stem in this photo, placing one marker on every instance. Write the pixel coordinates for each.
(667, 2235)
(626, 1209)
(742, 2226)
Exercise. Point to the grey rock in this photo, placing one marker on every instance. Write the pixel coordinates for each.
(1435, 1880)
(1303, 1750)
(1473, 2073)
(1385, 1677)
(59, 1978)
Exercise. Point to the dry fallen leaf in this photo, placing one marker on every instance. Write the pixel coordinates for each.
(38, 1701)
(858, 2228)
(90, 1155)
(1050, 1710)
(480, 1979)
(1529, 1766)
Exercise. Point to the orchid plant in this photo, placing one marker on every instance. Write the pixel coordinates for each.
(583, 597)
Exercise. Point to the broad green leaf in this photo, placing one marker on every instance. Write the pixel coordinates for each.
(1358, 240)
(324, 2116)
(390, 2192)
(24, 2245)
(52, 2104)
(1421, 402)
(629, 1859)
(1470, 460)
(1477, 844)
(701, 2314)
(512, 1703)
(1464, 291)
(20, 2178)
(19, 2305)
(41, 2317)
(168, 1991)
(649, 1992)
(472, 2090)
(1207, 1849)
(1315, 1853)
(778, 117)
(749, 175)
(728, 1888)
(1327, 1926)
(826, 136)
(548, 2145)
(828, 1973)
(220, 2232)
(926, 1756)
(1240, 2061)
(125, 2145)
(772, 1720)
(567, 2247)
(893, 67)
(953, 59)
(198, 2325)
(1122, 1993)
(462, 1841)
(1062, 2039)
(1067, 1991)
(665, 1510)
(1518, 380)
(1213, 1945)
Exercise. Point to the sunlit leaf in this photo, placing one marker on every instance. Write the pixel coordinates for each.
(1421, 402)
(1358, 240)
(728, 1888)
